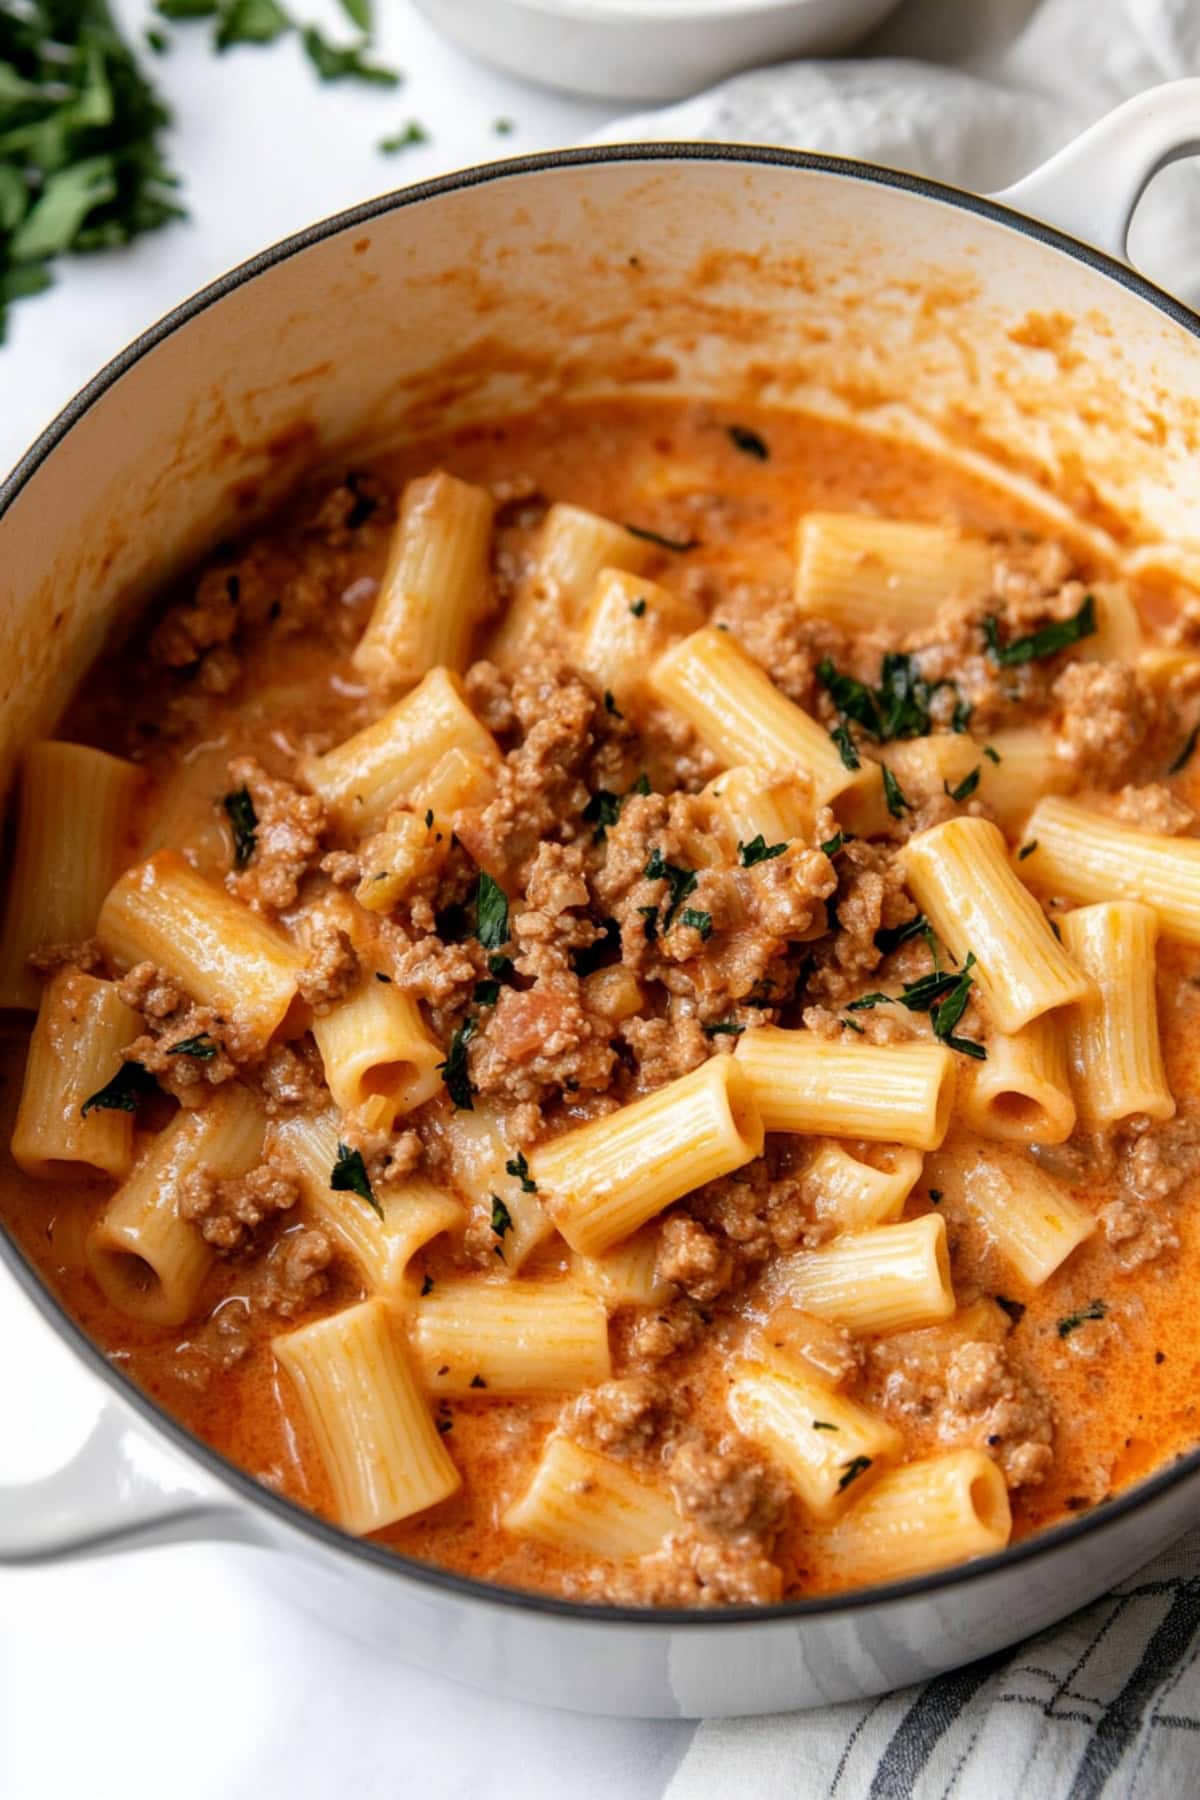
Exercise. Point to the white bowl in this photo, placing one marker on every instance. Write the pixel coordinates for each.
(648, 49)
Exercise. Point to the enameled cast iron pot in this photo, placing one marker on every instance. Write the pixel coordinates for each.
(693, 268)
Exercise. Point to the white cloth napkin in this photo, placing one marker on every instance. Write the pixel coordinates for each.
(1107, 1704)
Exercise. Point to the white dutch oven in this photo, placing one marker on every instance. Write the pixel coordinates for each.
(699, 269)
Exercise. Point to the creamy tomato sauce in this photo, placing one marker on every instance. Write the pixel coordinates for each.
(1076, 1388)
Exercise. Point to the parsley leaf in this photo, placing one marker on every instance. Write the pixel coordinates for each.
(124, 1093)
(699, 921)
(349, 1176)
(890, 937)
(456, 1070)
(680, 883)
(641, 785)
(853, 699)
(414, 133)
(893, 793)
(1072, 1322)
(724, 1028)
(664, 543)
(602, 810)
(845, 743)
(748, 442)
(824, 1425)
(518, 1168)
(359, 13)
(202, 1047)
(1027, 849)
(491, 912)
(501, 1217)
(992, 755)
(427, 1286)
(898, 708)
(638, 607)
(832, 845)
(239, 809)
(758, 851)
(966, 786)
(1047, 640)
(486, 993)
(610, 705)
(858, 1465)
(650, 914)
(250, 22)
(335, 63)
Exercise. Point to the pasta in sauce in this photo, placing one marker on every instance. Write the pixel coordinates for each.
(611, 1002)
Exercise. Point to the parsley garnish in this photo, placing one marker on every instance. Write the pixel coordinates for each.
(641, 785)
(832, 845)
(650, 929)
(610, 705)
(1027, 849)
(966, 786)
(845, 743)
(758, 851)
(444, 1425)
(427, 1286)
(852, 1025)
(239, 808)
(429, 818)
(890, 937)
(943, 996)
(349, 1176)
(748, 441)
(124, 1093)
(491, 912)
(1186, 754)
(664, 543)
(724, 1028)
(335, 63)
(501, 1217)
(637, 607)
(1047, 640)
(602, 810)
(935, 1196)
(898, 708)
(486, 993)
(858, 1465)
(893, 793)
(992, 755)
(477, 1381)
(699, 921)
(501, 967)
(1072, 1322)
(824, 1425)
(202, 1047)
(414, 133)
(518, 1168)
(455, 1069)
(680, 883)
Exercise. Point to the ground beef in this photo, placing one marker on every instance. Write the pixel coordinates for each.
(540, 1039)
(1136, 1234)
(1158, 1159)
(665, 1048)
(171, 1022)
(973, 1395)
(388, 1155)
(444, 975)
(552, 924)
(1154, 808)
(691, 1571)
(292, 1275)
(728, 1489)
(693, 1259)
(227, 1210)
(870, 897)
(287, 838)
(489, 695)
(151, 991)
(629, 1417)
(88, 957)
(1031, 581)
(652, 1337)
(292, 1075)
(332, 968)
(785, 642)
(754, 1210)
(1104, 720)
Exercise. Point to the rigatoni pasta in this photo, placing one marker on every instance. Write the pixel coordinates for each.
(892, 1093)
(858, 571)
(374, 1045)
(75, 1051)
(590, 1504)
(926, 1515)
(1032, 1218)
(1083, 855)
(886, 1279)
(1116, 1056)
(510, 1337)
(824, 1441)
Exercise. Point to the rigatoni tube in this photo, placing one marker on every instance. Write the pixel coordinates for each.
(510, 1337)
(926, 1515)
(72, 822)
(1032, 1220)
(1085, 856)
(572, 547)
(1022, 1093)
(364, 778)
(223, 954)
(959, 874)
(891, 1093)
(740, 715)
(435, 587)
(82, 1027)
(149, 1261)
(628, 623)
(590, 1505)
(374, 1043)
(854, 1194)
(380, 1240)
(863, 573)
(604, 1179)
(888, 1279)
(371, 1423)
(1116, 1056)
(824, 1442)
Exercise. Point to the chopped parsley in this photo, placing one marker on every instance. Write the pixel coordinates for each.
(249, 22)
(414, 133)
(724, 1028)
(380, 976)
(899, 707)
(846, 750)
(1047, 640)
(992, 755)
(486, 993)
(966, 786)
(935, 1196)
(890, 937)
(638, 607)
(501, 967)
(429, 818)
(641, 785)
(680, 883)
(853, 1025)
(1186, 754)
(349, 1176)
(1072, 1322)
(858, 1465)
(893, 793)
(243, 819)
(650, 929)
(501, 1217)
(518, 1168)
(349, 63)
(699, 921)
(758, 851)
(124, 1093)
(943, 996)
(444, 1425)
(832, 845)
(491, 912)
(1027, 849)
(202, 1047)
(824, 1425)
(503, 127)
(477, 1381)
(664, 543)
(610, 705)
(602, 810)
(427, 1286)
(456, 1070)
(748, 442)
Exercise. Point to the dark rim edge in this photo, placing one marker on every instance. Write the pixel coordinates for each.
(1043, 1544)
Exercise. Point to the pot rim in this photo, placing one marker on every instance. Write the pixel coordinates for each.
(288, 1512)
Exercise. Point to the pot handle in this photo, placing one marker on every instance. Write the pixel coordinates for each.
(1091, 188)
(120, 1491)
